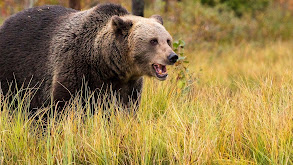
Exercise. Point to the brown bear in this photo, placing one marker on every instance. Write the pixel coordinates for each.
(56, 49)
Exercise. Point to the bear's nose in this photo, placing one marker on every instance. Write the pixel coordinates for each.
(173, 57)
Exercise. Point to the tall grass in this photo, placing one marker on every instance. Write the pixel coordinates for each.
(236, 109)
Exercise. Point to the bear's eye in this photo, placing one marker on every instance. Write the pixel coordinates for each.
(154, 41)
(169, 42)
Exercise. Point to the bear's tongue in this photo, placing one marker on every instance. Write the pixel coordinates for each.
(161, 70)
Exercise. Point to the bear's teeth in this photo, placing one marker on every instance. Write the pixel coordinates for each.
(160, 69)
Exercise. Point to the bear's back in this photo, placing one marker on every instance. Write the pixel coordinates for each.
(27, 28)
(24, 43)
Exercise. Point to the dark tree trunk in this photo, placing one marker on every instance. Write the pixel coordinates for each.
(74, 4)
(138, 7)
(166, 6)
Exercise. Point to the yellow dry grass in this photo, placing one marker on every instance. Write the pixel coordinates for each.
(236, 109)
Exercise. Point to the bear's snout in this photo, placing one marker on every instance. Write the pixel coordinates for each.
(173, 57)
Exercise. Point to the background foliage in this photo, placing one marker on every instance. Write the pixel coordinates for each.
(240, 6)
(197, 21)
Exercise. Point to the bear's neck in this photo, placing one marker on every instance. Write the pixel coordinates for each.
(112, 60)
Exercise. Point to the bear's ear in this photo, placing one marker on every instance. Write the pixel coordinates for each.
(119, 24)
(158, 18)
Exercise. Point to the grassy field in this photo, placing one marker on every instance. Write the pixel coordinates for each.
(236, 108)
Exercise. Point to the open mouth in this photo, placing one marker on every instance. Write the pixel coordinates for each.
(161, 71)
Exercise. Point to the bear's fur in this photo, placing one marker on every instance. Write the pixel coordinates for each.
(56, 48)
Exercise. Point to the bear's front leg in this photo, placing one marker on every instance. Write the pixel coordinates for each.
(131, 95)
(63, 88)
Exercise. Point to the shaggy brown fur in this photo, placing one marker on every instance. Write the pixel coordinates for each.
(105, 46)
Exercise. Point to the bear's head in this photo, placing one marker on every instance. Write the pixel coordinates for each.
(149, 43)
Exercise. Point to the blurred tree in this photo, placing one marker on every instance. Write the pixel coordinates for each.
(28, 3)
(75, 4)
(138, 7)
(166, 5)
